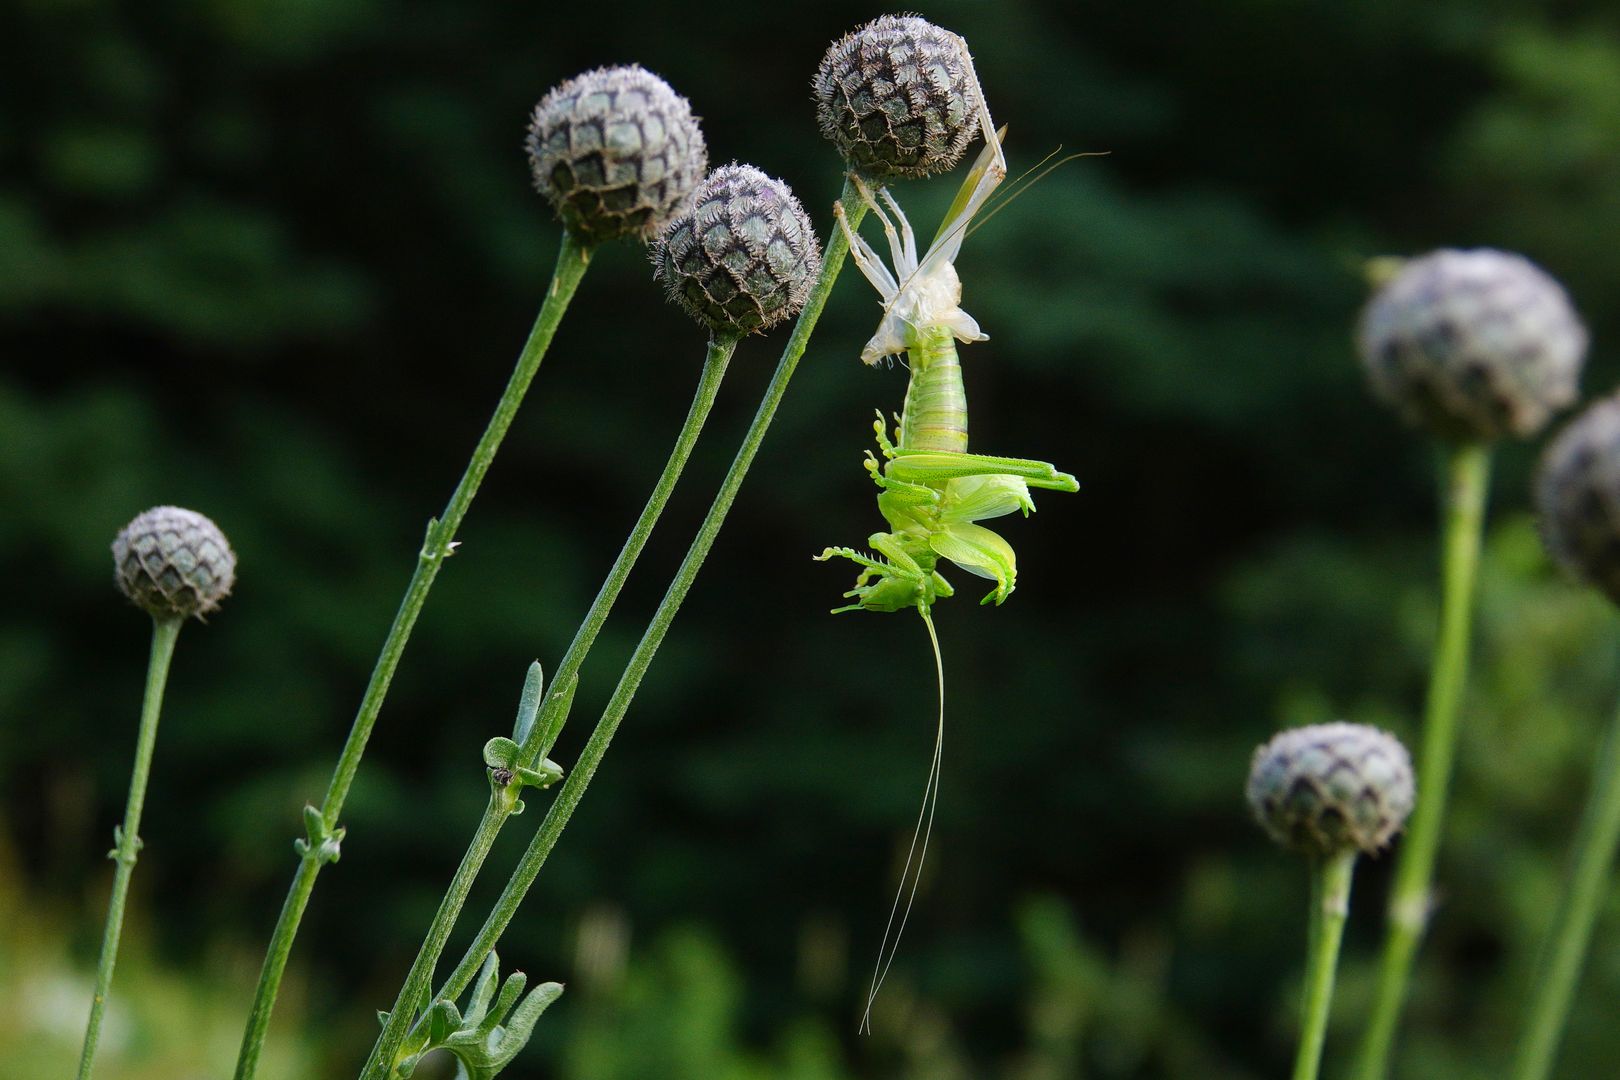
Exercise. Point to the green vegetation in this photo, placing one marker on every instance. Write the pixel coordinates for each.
(273, 261)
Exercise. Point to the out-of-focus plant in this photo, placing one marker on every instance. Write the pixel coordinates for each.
(1330, 792)
(1471, 346)
(173, 564)
(617, 152)
(1578, 494)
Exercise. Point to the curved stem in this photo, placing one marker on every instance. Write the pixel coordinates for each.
(164, 634)
(572, 260)
(502, 804)
(1467, 472)
(1577, 911)
(590, 757)
(1330, 906)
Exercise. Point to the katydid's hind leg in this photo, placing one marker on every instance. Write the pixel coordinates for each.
(866, 257)
(899, 248)
(908, 239)
(935, 466)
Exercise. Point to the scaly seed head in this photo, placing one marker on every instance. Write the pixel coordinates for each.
(1327, 788)
(616, 151)
(173, 563)
(1578, 496)
(743, 255)
(898, 97)
(1473, 344)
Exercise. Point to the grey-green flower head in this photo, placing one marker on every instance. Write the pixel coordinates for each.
(1578, 497)
(617, 152)
(173, 563)
(743, 255)
(1327, 788)
(1473, 345)
(899, 98)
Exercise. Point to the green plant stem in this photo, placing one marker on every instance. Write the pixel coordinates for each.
(502, 800)
(164, 634)
(1330, 906)
(1565, 952)
(590, 757)
(1466, 480)
(572, 260)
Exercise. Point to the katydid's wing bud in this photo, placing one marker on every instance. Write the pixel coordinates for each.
(617, 152)
(1578, 497)
(1473, 344)
(1327, 788)
(173, 563)
(898, 97)
(743, 255)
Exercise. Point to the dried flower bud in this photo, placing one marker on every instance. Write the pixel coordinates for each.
(898, 97)
(1473, 344)
(1327, 788)
(616, 151)
(1578, 496)
(743, 255)
(173, 563)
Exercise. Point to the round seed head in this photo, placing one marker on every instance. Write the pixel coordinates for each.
(898, 97)
(1473, 344)
(173, 563)
(742, 256)
(1328, 788)
(1578, 497)
(616, 151)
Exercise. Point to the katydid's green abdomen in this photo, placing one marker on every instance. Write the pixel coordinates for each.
(934, 416)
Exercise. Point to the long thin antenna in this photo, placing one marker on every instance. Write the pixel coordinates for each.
(923, 830)
(1024, 182)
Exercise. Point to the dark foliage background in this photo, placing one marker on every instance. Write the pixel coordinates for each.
(272, 259)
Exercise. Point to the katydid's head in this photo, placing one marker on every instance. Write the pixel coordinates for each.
(899, 98)
(923, 291)
(742, 256)
(1329, 788)
(617, 152)
(173, 563)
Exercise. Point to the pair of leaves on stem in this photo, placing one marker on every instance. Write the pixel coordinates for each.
(504, 757)
(488, 1036)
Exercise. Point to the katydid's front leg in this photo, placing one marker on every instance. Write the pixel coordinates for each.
(937, 466)
(978, 551)
(901, 582)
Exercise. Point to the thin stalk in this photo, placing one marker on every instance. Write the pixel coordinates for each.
(1467, 473)
(164, 634)
(502, 801)
(321, 846)
(590, 757)
(1577, 911)
(1330, 906)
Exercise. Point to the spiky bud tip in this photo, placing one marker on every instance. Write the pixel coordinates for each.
(173, 563)
(1578, 497)
(898, 97)
(616, 151)
(1327, 788)
(743, 255)
(1473, 345)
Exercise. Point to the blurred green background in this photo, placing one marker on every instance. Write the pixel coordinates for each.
(272, 259)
